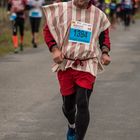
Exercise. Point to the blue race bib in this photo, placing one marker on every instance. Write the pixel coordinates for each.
(35, 14)
(80, 32)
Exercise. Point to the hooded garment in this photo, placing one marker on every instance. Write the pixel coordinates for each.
(59, 18)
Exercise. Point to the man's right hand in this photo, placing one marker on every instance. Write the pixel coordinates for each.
(57, 55)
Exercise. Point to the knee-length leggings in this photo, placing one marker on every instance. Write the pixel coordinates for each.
(18, 23)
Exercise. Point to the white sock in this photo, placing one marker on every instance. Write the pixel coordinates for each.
(72, 125)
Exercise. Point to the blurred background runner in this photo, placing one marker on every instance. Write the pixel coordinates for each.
(16, 43)
(35, 15)
(16, 9)
(113, 8)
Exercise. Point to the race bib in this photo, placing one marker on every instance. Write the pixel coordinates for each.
(34, 14)
(13, 16)
(80, 32)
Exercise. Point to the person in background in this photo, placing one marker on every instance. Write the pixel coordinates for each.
(72, 35)
(35, 15)
(107, 7)
(119, 13)
(134, 10)
(16, 9)
(112, 15)
(127, 6)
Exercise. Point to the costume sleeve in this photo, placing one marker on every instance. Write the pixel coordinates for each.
(48, 38)
(105, 23)
(104, 40)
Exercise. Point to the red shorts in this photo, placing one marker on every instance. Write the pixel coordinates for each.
(70, 78)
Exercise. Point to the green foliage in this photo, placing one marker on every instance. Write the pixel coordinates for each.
(137, 16)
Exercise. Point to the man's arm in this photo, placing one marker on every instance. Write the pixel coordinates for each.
(104, 41)
(52, 45)
(49, 38)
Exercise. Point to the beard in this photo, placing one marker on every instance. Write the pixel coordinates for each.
(81, 3)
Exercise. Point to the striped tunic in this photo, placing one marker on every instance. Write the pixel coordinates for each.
(59, 17)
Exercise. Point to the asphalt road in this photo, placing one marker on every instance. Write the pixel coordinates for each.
(30, 102)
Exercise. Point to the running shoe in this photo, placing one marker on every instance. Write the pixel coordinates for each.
(71, 134)
(34, 45)
(16, 50)
(21, 47)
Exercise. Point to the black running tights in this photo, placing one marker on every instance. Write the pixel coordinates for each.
(76, 110)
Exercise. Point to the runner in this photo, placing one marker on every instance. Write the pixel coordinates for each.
(72, 33)
(134, 10)
(112, 15)
(119, 13)
(107, 7)
(127, 8)
(35, 14)
(16, 8)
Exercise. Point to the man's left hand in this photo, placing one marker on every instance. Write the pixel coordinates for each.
(105, 59)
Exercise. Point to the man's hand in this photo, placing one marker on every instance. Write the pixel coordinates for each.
(57, 55)
(105, 59)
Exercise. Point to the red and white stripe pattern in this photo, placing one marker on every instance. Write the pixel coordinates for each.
(59, 17)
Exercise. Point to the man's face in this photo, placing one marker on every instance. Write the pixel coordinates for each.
(81, 3)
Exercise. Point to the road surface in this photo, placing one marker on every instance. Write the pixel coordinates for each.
(30, 102)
